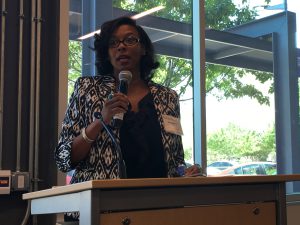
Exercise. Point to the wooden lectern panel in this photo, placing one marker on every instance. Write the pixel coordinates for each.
(233, 214)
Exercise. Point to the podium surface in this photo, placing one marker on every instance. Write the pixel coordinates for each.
(226, 200)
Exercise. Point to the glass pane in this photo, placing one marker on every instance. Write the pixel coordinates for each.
(293, 6)
(173, 10)
(75, 64)
(230, 13)
(264, 8)
(240, 107)
(240, 117)
(169, 28)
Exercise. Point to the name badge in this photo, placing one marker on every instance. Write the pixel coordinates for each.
(172, 125)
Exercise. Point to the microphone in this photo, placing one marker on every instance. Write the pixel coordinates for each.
(125, 77)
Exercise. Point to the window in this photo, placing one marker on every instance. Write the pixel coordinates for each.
(241, 122)
(169, 28)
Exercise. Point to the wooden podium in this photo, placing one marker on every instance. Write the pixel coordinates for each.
(247, 200)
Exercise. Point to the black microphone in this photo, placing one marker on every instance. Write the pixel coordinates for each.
(125, 77)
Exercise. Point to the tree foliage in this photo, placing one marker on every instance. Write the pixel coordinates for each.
(75, 64)
(223, 82)
(178, 10)
(235, 143)
(167, 75)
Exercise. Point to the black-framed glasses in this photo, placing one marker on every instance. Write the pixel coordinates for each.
(127, 41)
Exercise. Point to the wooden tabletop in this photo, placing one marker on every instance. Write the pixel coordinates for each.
(159, 182)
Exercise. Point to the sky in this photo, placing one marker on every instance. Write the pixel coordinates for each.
(294, 6)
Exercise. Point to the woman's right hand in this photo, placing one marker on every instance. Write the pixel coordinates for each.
(117, 104)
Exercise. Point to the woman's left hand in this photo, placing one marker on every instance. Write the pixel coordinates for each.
(193, 170)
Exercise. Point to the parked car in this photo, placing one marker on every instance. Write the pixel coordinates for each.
(221, 165)
(212, 171)
(251, 168)
(218, 166)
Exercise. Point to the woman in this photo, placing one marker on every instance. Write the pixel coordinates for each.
(149, 137)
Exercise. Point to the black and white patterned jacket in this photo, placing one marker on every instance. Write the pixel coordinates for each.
(89, 96)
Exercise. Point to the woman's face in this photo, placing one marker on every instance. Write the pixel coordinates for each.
(125, 55)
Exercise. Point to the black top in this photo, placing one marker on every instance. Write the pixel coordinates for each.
(141, 142)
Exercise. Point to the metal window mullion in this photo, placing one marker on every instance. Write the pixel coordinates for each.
(20, 92)
(37, 94)
(199, 90)
(32, 88)
(2, 77)
(31, 109)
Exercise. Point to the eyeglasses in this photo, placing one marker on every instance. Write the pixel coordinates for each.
(127, 41)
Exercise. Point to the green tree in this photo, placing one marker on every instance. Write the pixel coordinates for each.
(267, 144)
(188, 154)
(167, 74)
(226, 82)
(235, 143)
(75, 64)
(178, 10)
(221, 81)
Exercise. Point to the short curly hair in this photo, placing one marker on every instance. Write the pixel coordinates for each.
(104, 67)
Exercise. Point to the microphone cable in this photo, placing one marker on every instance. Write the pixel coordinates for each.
(121, 162)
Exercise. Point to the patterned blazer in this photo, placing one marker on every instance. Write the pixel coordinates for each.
(89, 96)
